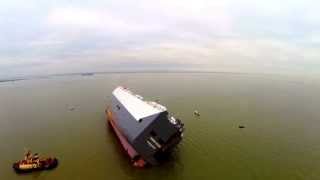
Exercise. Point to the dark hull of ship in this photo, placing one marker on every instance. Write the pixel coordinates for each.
(140, 158)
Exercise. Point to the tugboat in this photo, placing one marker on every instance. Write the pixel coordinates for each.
(32, 162)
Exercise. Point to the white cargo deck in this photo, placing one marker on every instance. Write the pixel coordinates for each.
(135, 104)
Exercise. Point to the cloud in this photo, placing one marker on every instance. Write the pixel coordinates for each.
(247, 36)
(96, 20)
(76, 17)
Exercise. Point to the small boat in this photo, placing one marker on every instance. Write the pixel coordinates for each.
(196, 113)
(32, 162)
(87, 74)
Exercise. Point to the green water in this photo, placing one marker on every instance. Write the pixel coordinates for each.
(281, 115)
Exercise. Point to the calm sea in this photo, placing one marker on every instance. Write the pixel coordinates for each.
(64, 117)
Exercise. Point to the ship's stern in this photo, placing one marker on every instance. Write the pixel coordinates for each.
(159, 138)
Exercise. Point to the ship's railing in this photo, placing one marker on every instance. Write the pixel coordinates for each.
(156, 105)
(125, 89)
(152, 103)
(177, 123)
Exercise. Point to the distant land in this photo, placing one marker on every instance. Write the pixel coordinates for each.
(11, 80)
(87, 74)
(116, 72)
(108, 72)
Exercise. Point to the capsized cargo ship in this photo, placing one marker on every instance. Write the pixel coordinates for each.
(145, 129)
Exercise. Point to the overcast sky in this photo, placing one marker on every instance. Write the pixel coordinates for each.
(49, 37)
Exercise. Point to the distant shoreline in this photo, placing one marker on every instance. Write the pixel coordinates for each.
(129, 72)
(11, 80)
(113, 72)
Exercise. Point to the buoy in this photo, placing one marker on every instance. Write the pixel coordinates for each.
(196, 113)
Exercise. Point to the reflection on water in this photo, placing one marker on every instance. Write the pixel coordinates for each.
(64, 117)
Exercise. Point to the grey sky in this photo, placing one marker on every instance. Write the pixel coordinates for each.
(40, 37)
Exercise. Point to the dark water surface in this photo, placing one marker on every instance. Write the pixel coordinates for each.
(64, 116)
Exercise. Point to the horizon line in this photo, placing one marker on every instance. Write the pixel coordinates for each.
(91, 73)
